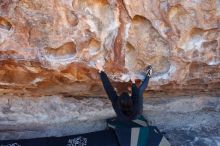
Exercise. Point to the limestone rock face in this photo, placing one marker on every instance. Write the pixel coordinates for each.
(51, 47)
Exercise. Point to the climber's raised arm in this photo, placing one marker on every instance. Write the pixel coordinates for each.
(134, 88)
(106, 83)
(108, 87)
(143, 86)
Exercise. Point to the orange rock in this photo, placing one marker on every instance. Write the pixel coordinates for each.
(51, 47)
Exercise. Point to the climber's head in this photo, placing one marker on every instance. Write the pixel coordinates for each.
(125, 103)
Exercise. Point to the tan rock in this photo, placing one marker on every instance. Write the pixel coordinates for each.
(51, 47)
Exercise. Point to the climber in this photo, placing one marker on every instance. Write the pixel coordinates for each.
(126, 107)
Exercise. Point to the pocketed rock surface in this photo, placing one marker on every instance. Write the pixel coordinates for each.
(51, 47)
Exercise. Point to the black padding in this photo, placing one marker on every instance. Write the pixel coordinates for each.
(100, 138)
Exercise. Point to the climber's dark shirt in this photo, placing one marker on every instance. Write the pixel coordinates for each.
(137, 97)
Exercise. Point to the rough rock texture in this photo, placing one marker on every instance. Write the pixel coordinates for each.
(188, 121)
(50, 47)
